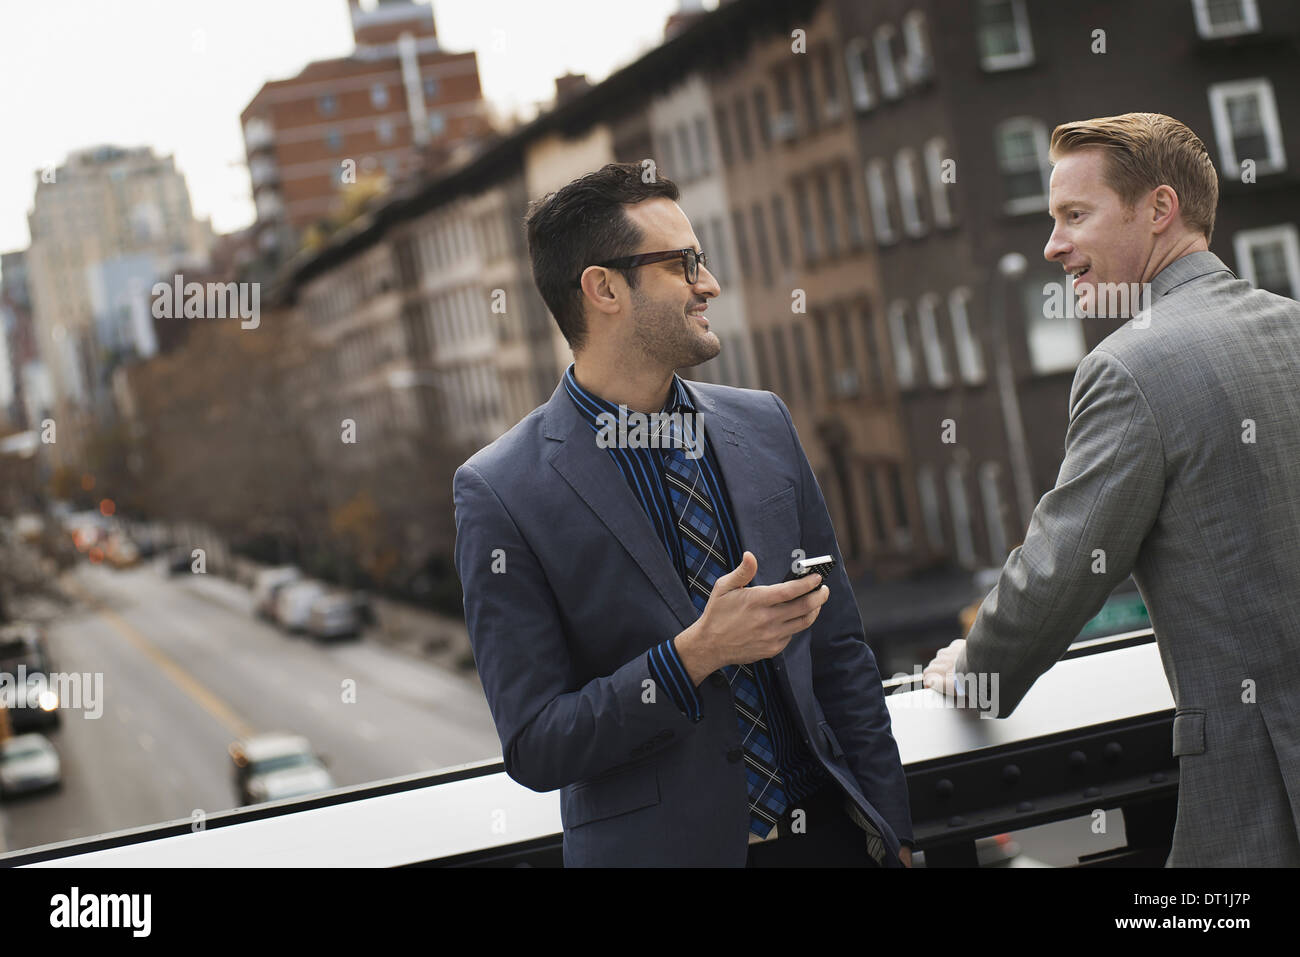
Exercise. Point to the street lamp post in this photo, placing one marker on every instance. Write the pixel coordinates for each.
(1011, 268)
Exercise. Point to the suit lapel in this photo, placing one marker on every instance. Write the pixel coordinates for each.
(591, 473)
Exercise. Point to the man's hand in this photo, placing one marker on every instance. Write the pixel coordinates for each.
(905, 855)
(939, 673)
(742, 625)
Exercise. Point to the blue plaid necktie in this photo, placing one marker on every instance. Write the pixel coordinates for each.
(700, 532)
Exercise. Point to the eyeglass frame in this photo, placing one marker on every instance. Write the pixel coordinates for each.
(645, 259)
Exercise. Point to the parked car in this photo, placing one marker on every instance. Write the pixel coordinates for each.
(177, 560)
(293, 604)
(29, 527)
(120, 551)
(265, 585)
(276, 765)
(22, 646)
(333, 616)
(28, 762)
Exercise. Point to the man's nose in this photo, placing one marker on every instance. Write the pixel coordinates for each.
(1055, 248)
(706, 283)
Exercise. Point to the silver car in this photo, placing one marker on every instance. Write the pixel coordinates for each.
(333, 616)
(28, 762)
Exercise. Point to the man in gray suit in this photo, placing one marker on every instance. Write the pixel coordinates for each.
(1182, 466)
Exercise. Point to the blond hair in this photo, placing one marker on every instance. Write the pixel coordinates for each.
(1146, 150)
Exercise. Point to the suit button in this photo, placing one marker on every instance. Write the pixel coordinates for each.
(735, 754)
(718, 679)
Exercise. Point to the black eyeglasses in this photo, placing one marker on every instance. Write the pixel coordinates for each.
(691, 262)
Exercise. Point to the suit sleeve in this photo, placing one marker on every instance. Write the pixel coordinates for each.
(555, 727)
(1083, 538)
(845, 677)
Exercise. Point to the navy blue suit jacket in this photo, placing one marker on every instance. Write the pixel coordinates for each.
(566, 589)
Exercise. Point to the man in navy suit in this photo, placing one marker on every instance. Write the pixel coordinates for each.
(623, 551)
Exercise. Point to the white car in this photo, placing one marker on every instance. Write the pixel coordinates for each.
(267, 583)
(277, 765)
(333, 616)
(293, 604)
(28, 762)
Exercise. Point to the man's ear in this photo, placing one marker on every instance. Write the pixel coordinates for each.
(1165, 208)
(600, 290)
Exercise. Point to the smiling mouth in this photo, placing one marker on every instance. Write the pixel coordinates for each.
(1080, 275)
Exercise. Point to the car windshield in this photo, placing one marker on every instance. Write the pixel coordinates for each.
(283, 762)
(23, 751)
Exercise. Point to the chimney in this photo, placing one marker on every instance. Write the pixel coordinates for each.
(569, 86)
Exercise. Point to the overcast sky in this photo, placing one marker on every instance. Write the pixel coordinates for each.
(175, 74)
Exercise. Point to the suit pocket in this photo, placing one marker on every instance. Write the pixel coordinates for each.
(836, 750)
(610, 795)
(1189, 732)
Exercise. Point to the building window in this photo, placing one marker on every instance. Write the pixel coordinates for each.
(809, 88)
(1246, 126)
(782, 234)
(936, 365)
(868, 324)
(852, 214)
(935, 155)
(783, 123)
(970, 359)
(760, 240)
(327, 104)
(928, 491)
(909, 199)
(742, 129)
(378, 96)
(878, 198)
(1004, 37)
(724, 134)
(918, 64)
(430, 87)
(765, 369)
(1056, 343)
(684, 148)
(719, 234)
(870, 476)
(855, 62)
(384, 130)
(807, 228)
(437, 123)
(960, 516)
(846, 375)
(801, 359)
(334, 140)
(902, 528)
(990, 492)
(890, 84)
(782, 355)
(904, 366)
(830, 227)
(702, 142)
(830, 87)
(742, 243)
(1269, 259)
(1022, 159)
(1225, 18)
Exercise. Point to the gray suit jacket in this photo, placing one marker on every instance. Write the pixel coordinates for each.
(1182, 466)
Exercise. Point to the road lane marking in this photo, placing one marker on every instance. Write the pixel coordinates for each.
(187, 683)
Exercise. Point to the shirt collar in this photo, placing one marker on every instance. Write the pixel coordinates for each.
(591, 405)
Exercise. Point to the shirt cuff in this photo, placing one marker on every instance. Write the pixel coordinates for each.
(668, 673)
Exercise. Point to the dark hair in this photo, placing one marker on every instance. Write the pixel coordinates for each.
(583, 223)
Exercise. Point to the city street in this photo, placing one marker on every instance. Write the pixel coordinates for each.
(187, 670)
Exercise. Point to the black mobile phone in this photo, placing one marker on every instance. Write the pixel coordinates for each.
(823, 565)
